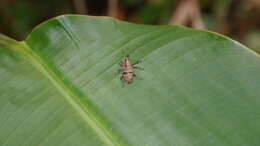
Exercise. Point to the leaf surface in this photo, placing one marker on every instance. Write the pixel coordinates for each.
(60, 86)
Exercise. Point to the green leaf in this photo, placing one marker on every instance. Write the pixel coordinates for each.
(60, 86)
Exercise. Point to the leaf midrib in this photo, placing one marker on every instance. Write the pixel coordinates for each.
(106, 136)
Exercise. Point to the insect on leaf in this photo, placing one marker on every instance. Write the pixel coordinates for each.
(59, 87)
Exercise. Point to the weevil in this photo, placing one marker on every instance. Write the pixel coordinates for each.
(127, 69)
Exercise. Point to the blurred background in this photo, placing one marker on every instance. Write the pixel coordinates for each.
(238, 19)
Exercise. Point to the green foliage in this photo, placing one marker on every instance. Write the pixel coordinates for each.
(60, 87)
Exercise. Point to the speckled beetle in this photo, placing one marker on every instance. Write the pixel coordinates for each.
(127, 70)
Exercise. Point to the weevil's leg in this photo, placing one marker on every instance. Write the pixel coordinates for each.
(119, 70)
(138, 67)
(137, 77)
(137, 62)
(120, 63)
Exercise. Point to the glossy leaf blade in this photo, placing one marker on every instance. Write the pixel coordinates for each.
(60, 86)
